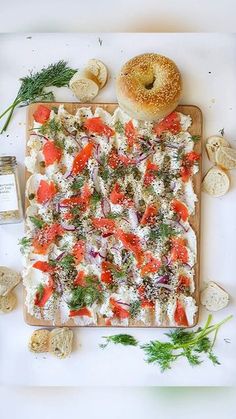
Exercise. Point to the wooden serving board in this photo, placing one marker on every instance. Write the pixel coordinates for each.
(195, 129)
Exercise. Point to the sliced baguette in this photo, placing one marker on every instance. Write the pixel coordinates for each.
(60, 342)
(226, 157)
(39, 341)
(99, 70)
(84, 85)
(213, 297)
(216, 182)
(213, 143)
(8, 302)
(9, 279)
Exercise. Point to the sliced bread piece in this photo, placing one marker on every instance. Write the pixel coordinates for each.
(60, 342)
(99, 70)
(84, 85)
(8, 302)
(9, 279)
(213, 143)
(216, 182)
(226, 157)
(39, 341)
(213, 297)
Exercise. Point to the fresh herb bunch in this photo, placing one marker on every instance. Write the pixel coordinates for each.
(183, 343)
(123, 339)
(33, 85)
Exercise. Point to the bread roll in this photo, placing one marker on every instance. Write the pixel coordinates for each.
(9, 279)
(60, 342)
(39, 341)
(149, 87)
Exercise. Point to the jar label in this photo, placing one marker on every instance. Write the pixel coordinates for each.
(8, 193)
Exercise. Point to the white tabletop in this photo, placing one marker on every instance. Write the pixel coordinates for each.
(207, 63)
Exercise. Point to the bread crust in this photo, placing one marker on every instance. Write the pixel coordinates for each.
(39, 341)
(149, 87)
(60, 342)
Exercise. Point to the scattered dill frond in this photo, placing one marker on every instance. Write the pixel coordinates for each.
(85, 296)
(123, 339)
(222, 132)
(195, 138)
(119, 127)
(24, 243)
(37, 222)
(134, 309)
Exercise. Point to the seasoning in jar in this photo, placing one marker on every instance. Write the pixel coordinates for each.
(10, 199)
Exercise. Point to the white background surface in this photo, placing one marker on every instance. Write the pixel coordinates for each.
(207, 63)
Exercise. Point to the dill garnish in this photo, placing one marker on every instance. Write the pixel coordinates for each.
(32, 87)
(50, 128)
(195, 138)
(37, 222)
(119, 127)
(123, 339)
(24, 243)
(85, 296)
(134, 309)
(222, 132)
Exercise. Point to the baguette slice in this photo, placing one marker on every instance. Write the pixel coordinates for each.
(60, 342)
(7, 302)
(216, 182)
(99, 70)
(226, 157)
(84, 85)
(213, 297)
(9, 279)
(39, 341)
(213, 143)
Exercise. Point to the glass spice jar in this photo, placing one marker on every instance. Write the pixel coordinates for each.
(10, 199)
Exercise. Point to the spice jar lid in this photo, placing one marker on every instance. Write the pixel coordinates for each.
(7, 160)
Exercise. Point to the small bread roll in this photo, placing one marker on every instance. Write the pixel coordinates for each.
(7, 302)
(99, 70)
(149, 87)
(213, 143)
(39, 341)
(60, 342)
(9, 279)
(216, 182)
(226, 157)
(84, 85)
(213, 297)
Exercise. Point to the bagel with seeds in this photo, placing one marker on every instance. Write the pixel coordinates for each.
(149, 87)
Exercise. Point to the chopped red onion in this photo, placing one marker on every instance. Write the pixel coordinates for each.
(97, 153)
(94, 175)
(164, 279)
(133, 217)
(166, 286)
(106, 207)
(59, 257)
(68, 227)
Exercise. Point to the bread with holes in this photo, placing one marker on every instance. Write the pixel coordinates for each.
(39, 341)
(213, 143)
(149, 87)
(214, 297)
(8, 302)
(60, 342)
(9, 279)
(216, 182)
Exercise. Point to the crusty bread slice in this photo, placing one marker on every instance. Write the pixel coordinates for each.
(84, 85)
(99, 70)
(39, 341)
(9, 279)
(213, 297)
(226, 157)
(216, 182)
(60, 342)
(213, 143)
(8, 302)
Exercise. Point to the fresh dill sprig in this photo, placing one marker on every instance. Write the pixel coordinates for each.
(37, 222)
(119, 127)
(85, 296)
(24, 243)
(33, 85)
(123, 339)
(183, 343)
(222, 132)
(195, 138)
